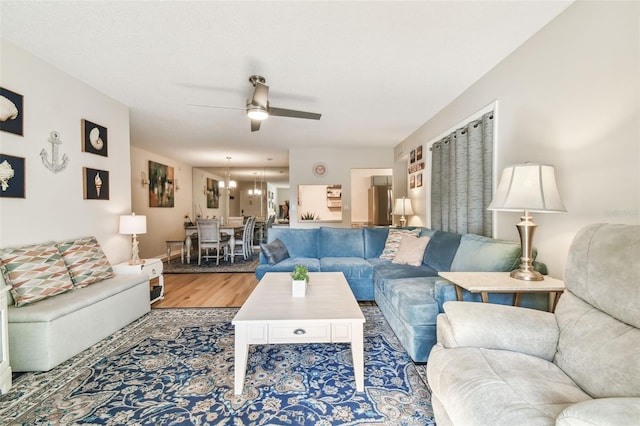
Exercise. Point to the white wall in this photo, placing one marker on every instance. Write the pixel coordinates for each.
(163, 223)
(339, 163)
(569, 97)
(54, 208)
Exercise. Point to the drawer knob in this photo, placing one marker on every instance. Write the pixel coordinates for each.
(299, 331)
(153, 271)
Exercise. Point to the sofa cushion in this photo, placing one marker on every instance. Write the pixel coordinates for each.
(299, 242)
(352, 267)
(340, 242)
(411, 250)
(384, 270)
(274, 252)
(86, 261)
(441, 249)
(287, 265)
(392, 243)
(34, 272)
(483, 254)
(413, 299)
(374, 239)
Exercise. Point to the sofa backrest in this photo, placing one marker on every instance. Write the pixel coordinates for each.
(299, 242)
(341, 242)
(483, 254)
(441, 249)
(374, 240)
(599, 313)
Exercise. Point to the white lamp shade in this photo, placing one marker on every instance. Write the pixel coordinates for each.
(133, 224)
(403, 207)
(529, 187)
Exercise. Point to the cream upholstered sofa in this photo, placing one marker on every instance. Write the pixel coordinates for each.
(503, 365)
(65, 298)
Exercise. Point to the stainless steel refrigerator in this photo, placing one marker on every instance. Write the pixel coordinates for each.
(380, 205)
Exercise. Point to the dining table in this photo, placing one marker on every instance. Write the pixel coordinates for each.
(227, 230)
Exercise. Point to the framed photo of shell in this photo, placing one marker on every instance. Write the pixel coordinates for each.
(94, 138)
(161, 185)
(12, 177)
(95, 184)
(11, 112)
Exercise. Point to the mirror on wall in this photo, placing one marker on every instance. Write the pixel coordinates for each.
(320, 203)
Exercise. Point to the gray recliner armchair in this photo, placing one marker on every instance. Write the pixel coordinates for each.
(503, 365)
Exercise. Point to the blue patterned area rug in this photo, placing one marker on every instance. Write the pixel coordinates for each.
(175, 366)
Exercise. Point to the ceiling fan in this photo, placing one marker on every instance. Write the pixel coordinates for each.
(259, 109)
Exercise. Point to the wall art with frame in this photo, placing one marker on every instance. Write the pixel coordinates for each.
(12, 176)
(161, 185)
(94, 138)
(95, 184)
(213, 194)
(11, 112)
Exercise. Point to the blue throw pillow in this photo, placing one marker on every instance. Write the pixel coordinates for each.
(275, 251)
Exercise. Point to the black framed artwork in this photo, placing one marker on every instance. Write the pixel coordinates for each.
(419, 153)
(12, 176)
(11, 112)
(419, 180)
(412, 156)
(94, 138)
(95, 184)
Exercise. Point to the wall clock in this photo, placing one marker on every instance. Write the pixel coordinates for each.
(320, 169)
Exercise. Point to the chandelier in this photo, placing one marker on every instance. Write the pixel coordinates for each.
(228, 183)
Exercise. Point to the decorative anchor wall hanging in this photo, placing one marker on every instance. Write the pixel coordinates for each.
(53, 165)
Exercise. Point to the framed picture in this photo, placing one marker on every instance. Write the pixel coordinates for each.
(12, 177)
(412, 156)
(161, 185)
(94, 138)
(419, 180)
(412, 181)
(213, 194)
(419, 153)
(95, 184)
(11, 112)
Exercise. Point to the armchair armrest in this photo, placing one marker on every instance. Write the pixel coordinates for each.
(491, 326)
(602, 411)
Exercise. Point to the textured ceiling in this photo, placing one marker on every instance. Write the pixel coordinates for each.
(375, 70)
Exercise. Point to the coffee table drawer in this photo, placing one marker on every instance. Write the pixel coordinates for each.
(308, 333)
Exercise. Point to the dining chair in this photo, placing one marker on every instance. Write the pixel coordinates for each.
(242, 244)
(209, 238)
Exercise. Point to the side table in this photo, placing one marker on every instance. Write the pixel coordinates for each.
(500, 282)
(151, 267)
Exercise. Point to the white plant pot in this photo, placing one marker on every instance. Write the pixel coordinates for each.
(298, 288)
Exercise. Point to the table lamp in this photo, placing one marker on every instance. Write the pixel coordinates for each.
(403, 208)
(133, 224)
(530, 188)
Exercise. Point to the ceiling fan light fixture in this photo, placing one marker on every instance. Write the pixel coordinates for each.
(256, 112)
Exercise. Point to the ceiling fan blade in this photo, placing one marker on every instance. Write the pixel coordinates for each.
(216, 107)
(255, 125)
(281, 112)
(260, 95)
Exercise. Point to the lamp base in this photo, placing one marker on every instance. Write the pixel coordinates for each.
(525, 275)
(526, 229)
(403, 221)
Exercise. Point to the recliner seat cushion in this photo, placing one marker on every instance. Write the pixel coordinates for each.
(492, 387)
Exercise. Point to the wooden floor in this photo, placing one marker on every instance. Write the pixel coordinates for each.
(206, 290)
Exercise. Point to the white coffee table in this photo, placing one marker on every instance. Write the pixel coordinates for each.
(328, 314)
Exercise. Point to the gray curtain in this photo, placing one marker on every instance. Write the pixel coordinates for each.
(461, 179)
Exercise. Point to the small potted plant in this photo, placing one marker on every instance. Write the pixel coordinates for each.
(308, 216)
(300, 278)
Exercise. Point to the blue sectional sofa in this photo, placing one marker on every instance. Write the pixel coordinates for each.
(410, 297)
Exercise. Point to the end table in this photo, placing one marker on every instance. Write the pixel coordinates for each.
(500, 282)
(151, 267)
